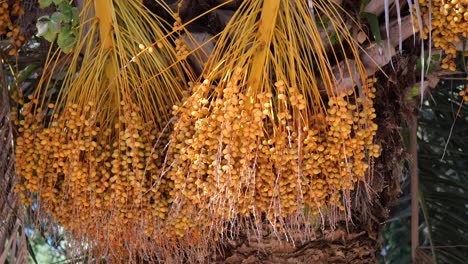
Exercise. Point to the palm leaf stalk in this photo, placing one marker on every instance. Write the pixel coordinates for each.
(256, 140)
(89, 140)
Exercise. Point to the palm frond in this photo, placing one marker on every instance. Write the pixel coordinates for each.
(444, 182)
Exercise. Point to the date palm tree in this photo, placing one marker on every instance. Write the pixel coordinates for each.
(270, 135)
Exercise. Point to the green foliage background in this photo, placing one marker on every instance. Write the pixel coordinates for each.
(443, 183)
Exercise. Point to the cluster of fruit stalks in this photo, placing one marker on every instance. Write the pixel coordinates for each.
(9, 13)
(228, 154)
(449, 23)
